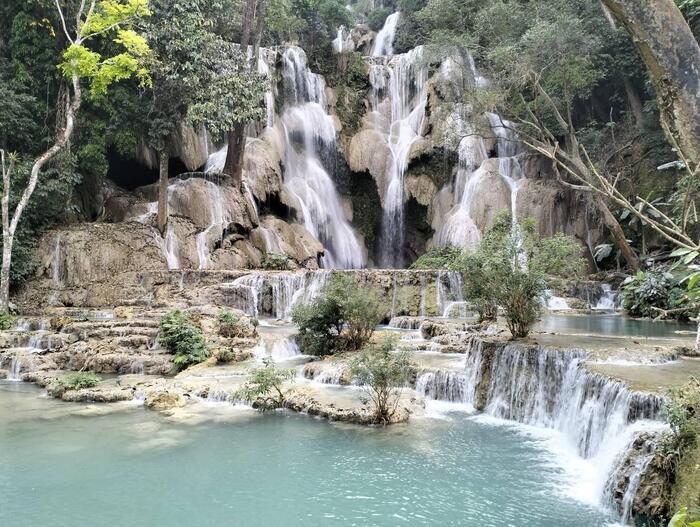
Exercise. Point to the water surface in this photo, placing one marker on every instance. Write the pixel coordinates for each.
(76, 465)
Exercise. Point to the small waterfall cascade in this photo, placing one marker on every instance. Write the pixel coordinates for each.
(343, 42)
(398, 100)
(384, 42)
(218, 221)
(443, 385)
(555, 303)
(450, 294)
(284, 349)
(609, 300)
(597, 418)
(309, 136)
(460, 228)
(274, 294)
(14, 373)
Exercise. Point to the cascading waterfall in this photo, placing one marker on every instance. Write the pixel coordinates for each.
(217, 224)
(450, 294)
(406, 77)
(309, 134)
(597, 417)
(609, 300)
(275, 294)
(384, 42)
(343, 42)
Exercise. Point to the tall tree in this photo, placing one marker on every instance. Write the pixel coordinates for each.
(91, 22)
(669, 49)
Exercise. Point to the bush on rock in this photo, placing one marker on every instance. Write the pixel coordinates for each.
(183, 338)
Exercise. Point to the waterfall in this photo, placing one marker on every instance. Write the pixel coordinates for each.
(217, 224)
(384, 43)
(555, 303)
(443, 386)
(596, 417)
(609, 299)
(275, 294)
(406, 76)
(309, 135)
(284, 349)
(14, 374)
(450, 294)
(343, 42)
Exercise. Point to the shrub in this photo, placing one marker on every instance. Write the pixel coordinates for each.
(341, 318)
(264, 389)
(76, 381)
(510, 269)
(682, 411)
(277, 262)
(228, 323)
(438, 258)
(685, 518)
(183, 338)
(383, 374)
(376, 19)
(7, 321)
(652, 293)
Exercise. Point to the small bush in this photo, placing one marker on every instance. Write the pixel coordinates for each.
(277, 262)
(341, 318)
(264, 388)
(7, 321)
(183, 338)
(682, 411)
(438, 258)
(228, 323)
(383, 374)
(76, 381)
(651, 293)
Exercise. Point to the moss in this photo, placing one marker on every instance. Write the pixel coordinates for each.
(686, 490)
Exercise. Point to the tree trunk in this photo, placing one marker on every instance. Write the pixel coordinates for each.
(10, 229)
(614, 226)
(635, 103)
(163, 160)
(672, 56)
(235, 153)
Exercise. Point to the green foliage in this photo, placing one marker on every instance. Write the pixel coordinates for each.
(264, 388)
(438, 258)
(383, 373)
(273, 261)
(376, 19)
(510, 269)
(651, 293)
(682, 411)
(685, 518)
(7, 321)
(76, 381)
(341, 318)
(109, 16)
(183, 338)
(228, 317)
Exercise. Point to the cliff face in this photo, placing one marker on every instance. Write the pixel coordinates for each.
(423, 169)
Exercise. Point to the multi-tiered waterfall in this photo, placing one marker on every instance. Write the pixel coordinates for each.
(398, 99)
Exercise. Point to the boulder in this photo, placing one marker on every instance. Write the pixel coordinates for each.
(164, 400)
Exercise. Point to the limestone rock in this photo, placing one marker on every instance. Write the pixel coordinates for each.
(190, 146)
(164, 400)
(276, 235)
(368, 151)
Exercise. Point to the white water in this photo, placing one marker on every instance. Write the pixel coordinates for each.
(343, 42)
(555, 303)
(308, 135)
(450, 294)
(274, 294)
(595, 418)
(384, 42)
(14, 374)
(609, 300)
(398, 100)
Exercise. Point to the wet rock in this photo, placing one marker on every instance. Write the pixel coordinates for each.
(164, 400)
(98, 395)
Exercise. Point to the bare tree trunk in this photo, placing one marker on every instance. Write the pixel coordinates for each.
(235, 153)
(10, 229)
(672, 55)
(163, 160)
(635, 103)
(616, 230)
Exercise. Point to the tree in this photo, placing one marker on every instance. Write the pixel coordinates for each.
(383, 374)
(671, 52)
(510, 269)
(265, 387)
(198, 78)
(341, 318)
(91, 23)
